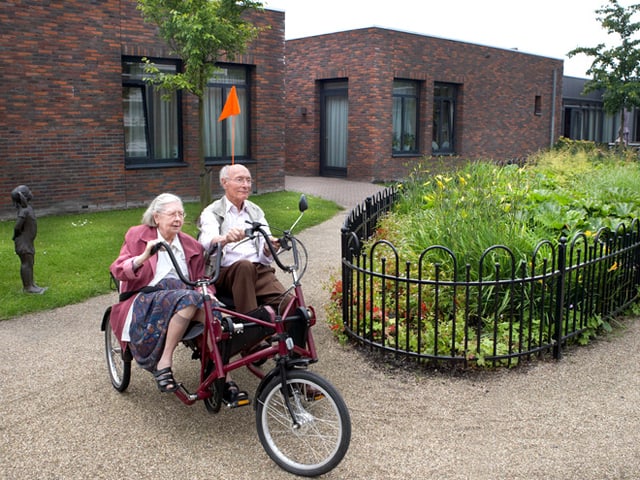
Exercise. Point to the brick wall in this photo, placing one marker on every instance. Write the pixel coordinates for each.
(61, 129)
(495, 106)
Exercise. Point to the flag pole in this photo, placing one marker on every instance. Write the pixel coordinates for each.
(231, 108)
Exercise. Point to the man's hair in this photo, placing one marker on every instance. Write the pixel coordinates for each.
(224, 172)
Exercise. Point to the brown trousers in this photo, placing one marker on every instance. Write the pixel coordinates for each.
(251, 284)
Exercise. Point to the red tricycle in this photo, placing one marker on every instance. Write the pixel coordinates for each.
(302, 421)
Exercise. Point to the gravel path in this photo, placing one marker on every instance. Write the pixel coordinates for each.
(60, 418)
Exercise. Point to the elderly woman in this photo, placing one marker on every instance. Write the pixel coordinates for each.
(160, 307)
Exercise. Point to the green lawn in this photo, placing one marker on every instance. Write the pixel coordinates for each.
(73, 252)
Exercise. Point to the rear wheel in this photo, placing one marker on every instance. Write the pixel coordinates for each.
(119, 367)
(318, 439)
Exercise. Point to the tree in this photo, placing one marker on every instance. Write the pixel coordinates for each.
(616, 70)
(200, 32)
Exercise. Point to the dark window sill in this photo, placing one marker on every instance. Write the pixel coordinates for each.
(139, 166)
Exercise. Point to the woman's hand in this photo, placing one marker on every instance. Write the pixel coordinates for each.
(150, 245)
(144, 256)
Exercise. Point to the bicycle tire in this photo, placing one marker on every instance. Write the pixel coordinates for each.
(322, 438)
(119, 368)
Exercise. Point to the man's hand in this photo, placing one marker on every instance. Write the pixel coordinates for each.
(276, 245)
(234, 235)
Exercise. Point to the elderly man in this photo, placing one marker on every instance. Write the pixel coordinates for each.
(246, 270)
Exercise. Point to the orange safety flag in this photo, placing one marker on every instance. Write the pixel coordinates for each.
(231, 106)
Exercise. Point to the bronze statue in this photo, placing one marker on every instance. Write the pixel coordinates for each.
(24, 233)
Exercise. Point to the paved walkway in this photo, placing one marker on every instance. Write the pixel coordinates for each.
(61, 419)
(345, 194)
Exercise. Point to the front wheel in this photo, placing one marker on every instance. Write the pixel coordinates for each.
(318, 439)
(119, 367)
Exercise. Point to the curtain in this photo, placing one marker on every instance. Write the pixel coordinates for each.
(409, 124)
(217, 135)
(135, 125)
(336, 124)
(165, 133)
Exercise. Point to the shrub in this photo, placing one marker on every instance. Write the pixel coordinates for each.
(502, 213)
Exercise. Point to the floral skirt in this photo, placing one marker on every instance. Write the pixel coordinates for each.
(151, 314)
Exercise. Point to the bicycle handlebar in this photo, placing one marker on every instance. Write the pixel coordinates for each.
(287, 242)
(184, 279)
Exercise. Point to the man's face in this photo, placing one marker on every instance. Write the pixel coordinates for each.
(237, 185)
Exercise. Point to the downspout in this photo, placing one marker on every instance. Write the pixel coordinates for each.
(553, 108)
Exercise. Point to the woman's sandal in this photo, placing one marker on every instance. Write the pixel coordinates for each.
(164, 379)
(233, 396)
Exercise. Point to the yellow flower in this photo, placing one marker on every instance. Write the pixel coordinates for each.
(613, 267)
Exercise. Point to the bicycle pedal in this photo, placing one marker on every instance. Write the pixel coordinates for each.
(315, 397)
(240, 402)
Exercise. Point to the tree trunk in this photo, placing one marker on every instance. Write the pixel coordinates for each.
(205, 173)
(621, 140)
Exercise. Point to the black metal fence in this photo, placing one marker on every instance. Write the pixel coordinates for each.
(504, 310)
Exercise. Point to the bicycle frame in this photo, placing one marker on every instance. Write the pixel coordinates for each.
(215, 331)
(218, 335)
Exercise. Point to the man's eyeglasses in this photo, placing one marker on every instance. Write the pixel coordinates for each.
(241, 180)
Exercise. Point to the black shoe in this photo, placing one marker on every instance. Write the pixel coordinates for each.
(260, 313)
(234, 397)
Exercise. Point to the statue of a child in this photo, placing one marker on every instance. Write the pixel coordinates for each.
(24, 233)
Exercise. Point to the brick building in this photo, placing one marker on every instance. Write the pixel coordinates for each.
(366, 104)
(80, 126)
(82, 129)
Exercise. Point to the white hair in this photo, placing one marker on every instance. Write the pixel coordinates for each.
(224, 171)
(157, 205)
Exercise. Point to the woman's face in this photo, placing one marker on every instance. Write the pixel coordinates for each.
(170, 220)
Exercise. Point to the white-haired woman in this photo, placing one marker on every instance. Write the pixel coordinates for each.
(160, 307)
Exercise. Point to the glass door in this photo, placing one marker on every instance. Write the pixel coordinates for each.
(334, 129)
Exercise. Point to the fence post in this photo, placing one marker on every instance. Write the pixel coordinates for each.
(370, 218)
(347, 257)
(560, 292)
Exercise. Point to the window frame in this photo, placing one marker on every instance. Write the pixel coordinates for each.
(241, 89)
(537, 105)
(397, 143)
(151, 160)
(441, 105)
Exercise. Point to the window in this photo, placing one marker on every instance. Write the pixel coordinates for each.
(587, 121)
(219, 135)
(444, 109)
(405, 116)
(152, 134)
(537, 105)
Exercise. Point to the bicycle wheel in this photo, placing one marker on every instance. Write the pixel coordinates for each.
(322, 435)
(119, 368)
